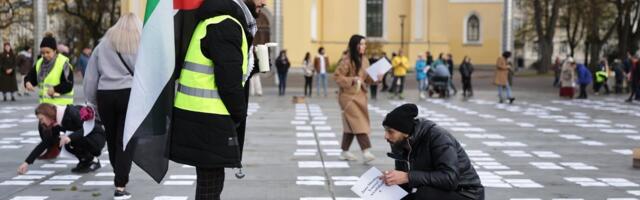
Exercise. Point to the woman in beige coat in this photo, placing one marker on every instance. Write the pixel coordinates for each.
(502, 77)
(353, 80)
(568, 79)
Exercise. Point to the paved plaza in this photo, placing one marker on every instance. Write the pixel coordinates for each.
(541, 147)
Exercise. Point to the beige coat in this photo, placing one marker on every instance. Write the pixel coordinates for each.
(502, 72)
(567, 76)
(352, 100)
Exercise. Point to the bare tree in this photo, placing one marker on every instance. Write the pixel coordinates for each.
(545, 19)
(14, 11)
(601, 23)
(97, 15)
(628, 35)
(572, 20)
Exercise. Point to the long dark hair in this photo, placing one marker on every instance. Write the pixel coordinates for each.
(354, 54)
(10, 52)
(281, 55)
(307, 56)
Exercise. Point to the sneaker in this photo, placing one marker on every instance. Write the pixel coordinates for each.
(511, 100)
(368, 156)
(345, 155)
(121, 195)
(82, 167)
(95, 166)
(422, 96)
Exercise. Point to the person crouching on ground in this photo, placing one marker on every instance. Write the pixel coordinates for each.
(68, 118)
(430, 163)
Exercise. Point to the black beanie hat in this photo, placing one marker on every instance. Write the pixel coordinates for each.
(402, 118)
(49, 41)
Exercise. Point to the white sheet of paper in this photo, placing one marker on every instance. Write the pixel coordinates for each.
(63, 151)
(379, 67)
(88, 126)
(370, 187)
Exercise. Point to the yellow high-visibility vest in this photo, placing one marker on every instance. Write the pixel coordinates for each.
(52, 79)
(197, 90)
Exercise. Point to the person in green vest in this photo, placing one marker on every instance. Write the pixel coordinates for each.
(210, 106)
(53, 76)
(602, 75)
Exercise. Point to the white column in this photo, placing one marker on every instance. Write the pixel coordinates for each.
(314, 20)
(362, 18)
(507, 26)
(418, 19)
(277, 8)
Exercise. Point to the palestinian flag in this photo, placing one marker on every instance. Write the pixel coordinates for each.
(147, 128)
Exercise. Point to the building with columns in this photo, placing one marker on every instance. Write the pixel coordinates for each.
(460, 27)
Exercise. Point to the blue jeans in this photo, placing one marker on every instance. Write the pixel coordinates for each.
(423, 85)
(282, 77)
(322, 81)
(507, 89)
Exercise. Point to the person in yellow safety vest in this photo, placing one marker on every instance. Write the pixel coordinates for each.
(400, 66)
(53, 75)
(210, 106)
(602, 75)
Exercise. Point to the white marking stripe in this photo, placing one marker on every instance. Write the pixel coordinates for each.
(30, 198)
(178, 183)
(16, 182)
(50, 182)
(188, 177)
(171, 198)
(98, 183)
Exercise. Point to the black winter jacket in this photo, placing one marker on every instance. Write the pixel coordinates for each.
(208, 140)
(434, 158)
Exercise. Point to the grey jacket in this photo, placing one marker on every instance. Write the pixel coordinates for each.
(106, 71)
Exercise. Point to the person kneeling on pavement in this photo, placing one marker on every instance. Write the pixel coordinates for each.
(68, 118)
(429, 161)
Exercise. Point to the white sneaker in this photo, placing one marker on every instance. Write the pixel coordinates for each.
(422, 96)
(345, 155)
(368, 156)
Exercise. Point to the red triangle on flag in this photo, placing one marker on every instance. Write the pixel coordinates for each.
(186, 4)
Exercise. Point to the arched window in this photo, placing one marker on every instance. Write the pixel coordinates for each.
(473, 29)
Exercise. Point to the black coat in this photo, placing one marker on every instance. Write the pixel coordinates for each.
(8, 82)
(434, 158)
(466, 69)
(209, 140)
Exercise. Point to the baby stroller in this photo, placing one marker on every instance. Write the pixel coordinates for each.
(440, 86)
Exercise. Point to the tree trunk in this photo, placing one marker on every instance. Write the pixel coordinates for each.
(594, 50)
(546, 52)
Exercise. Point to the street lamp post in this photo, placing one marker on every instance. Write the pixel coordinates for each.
(402, 17)
(40, 19)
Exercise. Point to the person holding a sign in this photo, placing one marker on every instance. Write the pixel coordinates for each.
(430, 162)
(351, 76)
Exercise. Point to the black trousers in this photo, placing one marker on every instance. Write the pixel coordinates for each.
(112, 107)
(583, 91)
(466, 86)
(396, 87)
(308, 80)
(430, 193)
(618, 86)
(597, 86)
(373, 88)
(81, 149)
(210, 182)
